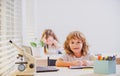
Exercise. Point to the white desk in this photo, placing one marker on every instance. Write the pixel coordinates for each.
(42, 60)
(64, 71)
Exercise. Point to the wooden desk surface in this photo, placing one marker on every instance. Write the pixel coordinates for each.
(63, 71)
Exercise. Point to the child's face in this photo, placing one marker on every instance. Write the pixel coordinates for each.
(49, 40)
(76, 45)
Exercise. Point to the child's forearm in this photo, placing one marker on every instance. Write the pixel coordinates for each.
(63, 64)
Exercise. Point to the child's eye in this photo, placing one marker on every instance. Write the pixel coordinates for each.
(72, 42)
(79, 42)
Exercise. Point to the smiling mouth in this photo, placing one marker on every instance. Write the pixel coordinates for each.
(76, 48)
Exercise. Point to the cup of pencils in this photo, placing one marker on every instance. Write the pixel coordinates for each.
(105, 65)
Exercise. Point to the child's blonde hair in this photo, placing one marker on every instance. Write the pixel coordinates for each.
(49, 32)
(76, 35)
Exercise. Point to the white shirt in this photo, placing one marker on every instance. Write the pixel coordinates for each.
(67, 57)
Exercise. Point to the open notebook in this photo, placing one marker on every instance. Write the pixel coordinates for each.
(40, 68)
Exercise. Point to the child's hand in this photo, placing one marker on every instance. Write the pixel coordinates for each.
(77, 63)
(85, 63)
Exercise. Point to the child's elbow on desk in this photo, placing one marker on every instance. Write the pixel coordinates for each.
(61, 63)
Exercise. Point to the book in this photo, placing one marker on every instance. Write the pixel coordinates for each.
(46, 69)
(79, 67)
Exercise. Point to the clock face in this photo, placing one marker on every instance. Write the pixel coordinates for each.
(21, 67)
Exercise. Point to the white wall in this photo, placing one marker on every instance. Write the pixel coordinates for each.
(99, 20)
(29, 23)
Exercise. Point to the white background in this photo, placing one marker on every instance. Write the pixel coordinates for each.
(99, 20)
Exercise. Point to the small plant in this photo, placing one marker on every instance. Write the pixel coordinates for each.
(37, 43)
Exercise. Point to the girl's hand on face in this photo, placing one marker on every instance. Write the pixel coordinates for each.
(50, 40)
(55, 42)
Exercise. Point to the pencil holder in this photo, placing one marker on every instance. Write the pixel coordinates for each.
(105, 67)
